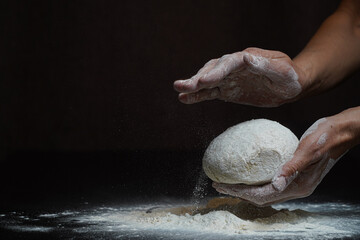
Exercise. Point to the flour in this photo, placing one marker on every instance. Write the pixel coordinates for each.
(173, 219)
(230, 216)
(199, 192)
(322, 139)
(250, 152)
(280, 72)
(259, 62)
(312, 128)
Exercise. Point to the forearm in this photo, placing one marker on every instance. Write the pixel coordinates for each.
(348, 126)
(334, 51)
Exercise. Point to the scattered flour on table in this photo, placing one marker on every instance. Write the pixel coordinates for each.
(229, 216)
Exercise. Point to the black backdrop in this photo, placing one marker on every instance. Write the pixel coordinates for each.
(87, 106)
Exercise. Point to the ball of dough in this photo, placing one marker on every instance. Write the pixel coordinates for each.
(250, 152)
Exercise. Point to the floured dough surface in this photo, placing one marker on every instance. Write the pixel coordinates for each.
(249, 153)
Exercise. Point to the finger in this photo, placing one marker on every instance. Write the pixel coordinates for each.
(223, 67)
(307, 153)
(279, 200)
(210, 64)
(256, 64)
(188, 85)
(285, 177)
(200, 96)
(191, 85)
(288, 172)
(305, 159)
(222, 188)
(259, 195)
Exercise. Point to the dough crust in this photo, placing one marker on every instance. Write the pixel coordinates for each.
(249, 153)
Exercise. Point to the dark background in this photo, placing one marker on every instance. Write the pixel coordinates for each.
(87, 107)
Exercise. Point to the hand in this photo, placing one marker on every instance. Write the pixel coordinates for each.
(253, 77)
(320, 147)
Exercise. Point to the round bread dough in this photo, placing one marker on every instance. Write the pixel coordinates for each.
(250, 152)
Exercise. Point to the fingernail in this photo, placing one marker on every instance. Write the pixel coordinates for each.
(279, 183)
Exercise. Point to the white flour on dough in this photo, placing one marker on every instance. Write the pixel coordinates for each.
(250, 152)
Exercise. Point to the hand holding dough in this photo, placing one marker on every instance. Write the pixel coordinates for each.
(320, 147)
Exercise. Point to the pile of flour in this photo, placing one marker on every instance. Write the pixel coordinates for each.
(228, 216)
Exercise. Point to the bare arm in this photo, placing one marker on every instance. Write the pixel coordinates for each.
(334, 51)
(331, 55)
(320, 147)
(266, 78)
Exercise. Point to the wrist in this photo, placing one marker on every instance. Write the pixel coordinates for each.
(308, 76)
(348, 126)
(353, 123)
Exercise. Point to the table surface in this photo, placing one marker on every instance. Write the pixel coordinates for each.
(328, 219)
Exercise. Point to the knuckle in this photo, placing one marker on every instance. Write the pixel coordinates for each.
(202, 81)
(317, 156)
(212, 61)
(291, 169)
(224, 57)
(235, 58)
(238, 54)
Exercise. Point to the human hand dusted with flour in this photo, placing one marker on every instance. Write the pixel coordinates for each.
(266, 78)
(253, 77)
(331, 55)
(320, 147)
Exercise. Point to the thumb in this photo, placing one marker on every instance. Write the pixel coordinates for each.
(287, 173)
(275, 68)
(256, 64)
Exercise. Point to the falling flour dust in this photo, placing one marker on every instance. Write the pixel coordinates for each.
(199, 192)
